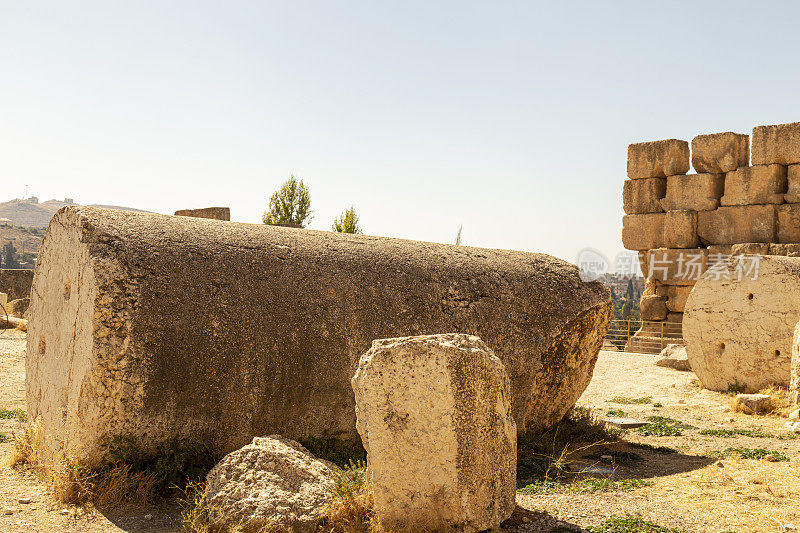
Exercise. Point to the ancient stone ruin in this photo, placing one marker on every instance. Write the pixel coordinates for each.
(739, 328)
(683, 224)
(434, 413)
(216, 213)
(157, 327)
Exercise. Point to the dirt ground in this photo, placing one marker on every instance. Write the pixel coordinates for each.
(690, 489)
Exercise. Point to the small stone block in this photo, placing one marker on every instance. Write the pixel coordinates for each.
(792, 195)
(643, 195)
(763, 184)
(736, 224)
(776, 144)
(789, 223)
(680, 230)
(720, 152)
(658, 159)
(696, 192)
(643, 232)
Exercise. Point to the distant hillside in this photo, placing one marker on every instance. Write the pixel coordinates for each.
(30, 213)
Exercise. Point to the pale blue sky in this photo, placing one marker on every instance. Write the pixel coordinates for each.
(511, 118)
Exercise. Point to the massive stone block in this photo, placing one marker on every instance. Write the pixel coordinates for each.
(171, 324)
(643, 195)
(763, 184)
(680, 230)
(658, 159)
(696, 192)
(643, 232)
(789, 223)
(718, 153)
(739, 320)
(736, 224)
(216, 213)
(776, 144)
(442, 447)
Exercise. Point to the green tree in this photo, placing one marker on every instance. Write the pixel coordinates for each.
(10, 256)
(629, 291)
(347, 222)
(291, 204)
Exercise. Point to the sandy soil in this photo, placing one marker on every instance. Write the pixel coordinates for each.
(689, 490)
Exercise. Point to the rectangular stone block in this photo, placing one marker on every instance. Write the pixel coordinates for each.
(776, 144)
(677, 267)
(719, 153)
(698, 192)
(788, 250)
(658, 159)
(676, 297)
(762, 184)
(643, 232)
(643, 195)
(653, 307)
(792, 195)
(789, 223)
(736, 224)
(680, 229)
(750, 248)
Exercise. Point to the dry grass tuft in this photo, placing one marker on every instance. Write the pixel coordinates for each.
(350, 510)
(72, 483)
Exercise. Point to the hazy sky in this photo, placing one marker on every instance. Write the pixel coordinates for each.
(511, 118)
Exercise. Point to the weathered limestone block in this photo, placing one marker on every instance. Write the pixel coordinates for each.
(16, 282)
(763, 184)
(653, 307)
(680, 229)
(643, 232)
(272, 481)
(752, 404)
(674, 356)
(739, 321)
(718, 153)
(789, 223)
(696, 192)
(173, 323)
(658, 159)
(789, 250)
(750, 248)
(216, 213)
(441, 448)
(643, 195)
(676, 297)
(776, 144)
(792, 195)
(676, 267)
(735, 224)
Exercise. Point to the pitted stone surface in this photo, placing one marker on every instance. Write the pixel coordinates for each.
(158, 327)
(434, 414)
(739, 331)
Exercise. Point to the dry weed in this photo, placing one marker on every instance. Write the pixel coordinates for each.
(72, 483)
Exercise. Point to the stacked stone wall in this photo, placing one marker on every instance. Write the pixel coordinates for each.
(740, 200)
